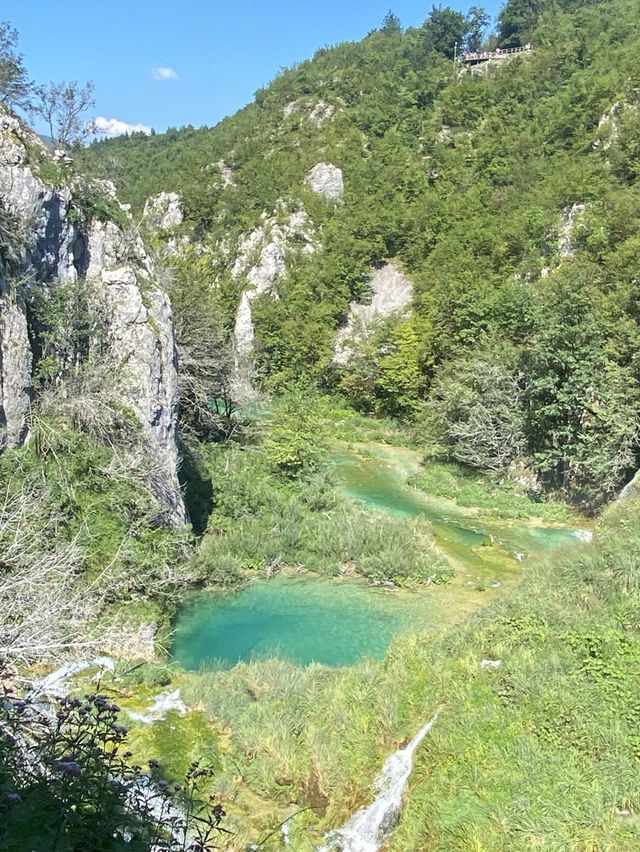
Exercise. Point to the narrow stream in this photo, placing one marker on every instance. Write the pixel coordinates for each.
(370, 826)
(378, 480)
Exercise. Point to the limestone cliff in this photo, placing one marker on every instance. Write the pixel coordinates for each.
(15, 365)
(391, 294)
(51, 244)
(261, 260)
(164, 211)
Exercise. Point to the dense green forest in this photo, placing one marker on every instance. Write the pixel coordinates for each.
(525, 322)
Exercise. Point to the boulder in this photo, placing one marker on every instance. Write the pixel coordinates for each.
(326, 179)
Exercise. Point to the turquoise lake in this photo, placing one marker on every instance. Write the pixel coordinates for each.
(300, 619)
(306, 619)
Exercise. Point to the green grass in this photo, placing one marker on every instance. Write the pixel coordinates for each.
(122, 560)
(491, 495)
(261, 521)
(542, 753)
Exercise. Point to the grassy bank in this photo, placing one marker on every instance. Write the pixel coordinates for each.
(262, 523)
(275, 504)
(542, 753)
(489, 494)
(85, 560)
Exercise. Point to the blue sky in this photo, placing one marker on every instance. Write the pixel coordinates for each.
(221, 52)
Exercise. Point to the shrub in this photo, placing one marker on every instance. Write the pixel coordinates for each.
(67, 783)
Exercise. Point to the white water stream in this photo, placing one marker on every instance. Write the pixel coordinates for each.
(369, 827)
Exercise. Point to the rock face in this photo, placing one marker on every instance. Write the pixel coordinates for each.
(392, 293)
(226, 174)
(142, 346)
(562, 241)
(571, 216)
(321, 113)
(51, 249)
(164, 211)
(610, 124)
(317, 113)
(326, 179)
(261, 261)
(631, 489)
(15, 366)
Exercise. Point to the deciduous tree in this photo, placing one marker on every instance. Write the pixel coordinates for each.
(15, 86)
(63, 107)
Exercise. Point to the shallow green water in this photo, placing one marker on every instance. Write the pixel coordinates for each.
(300, 619)
(379, 481)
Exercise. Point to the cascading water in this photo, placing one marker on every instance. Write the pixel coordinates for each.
(369, 827)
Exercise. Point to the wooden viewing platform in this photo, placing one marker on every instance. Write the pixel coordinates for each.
(476, 57)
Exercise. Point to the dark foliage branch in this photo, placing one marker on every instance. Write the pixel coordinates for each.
(68, 781)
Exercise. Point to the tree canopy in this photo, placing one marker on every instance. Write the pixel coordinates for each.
(502, 195)
(15, 86)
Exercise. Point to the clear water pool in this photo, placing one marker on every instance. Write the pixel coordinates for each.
(301, 619)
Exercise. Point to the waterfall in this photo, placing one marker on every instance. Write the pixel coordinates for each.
(369, 827)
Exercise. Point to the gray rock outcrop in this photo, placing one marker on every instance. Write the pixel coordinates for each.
(631, 489)
(391, 294)
(571, 218)
(261, 260)
(562, 241)
(15, 366)
(142, 346)
(226, 174)
(326, 179)
(321, 113)
(164, 211)
(317, 113)
(52, 247)
(611, 123)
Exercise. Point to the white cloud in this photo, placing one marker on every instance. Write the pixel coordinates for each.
(115, 127)
(164, 73)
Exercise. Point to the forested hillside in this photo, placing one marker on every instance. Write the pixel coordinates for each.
(510, 199)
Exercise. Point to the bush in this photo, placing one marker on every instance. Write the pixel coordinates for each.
(67, 782)
(473, 414)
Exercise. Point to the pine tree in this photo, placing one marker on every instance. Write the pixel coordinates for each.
(391, 23)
